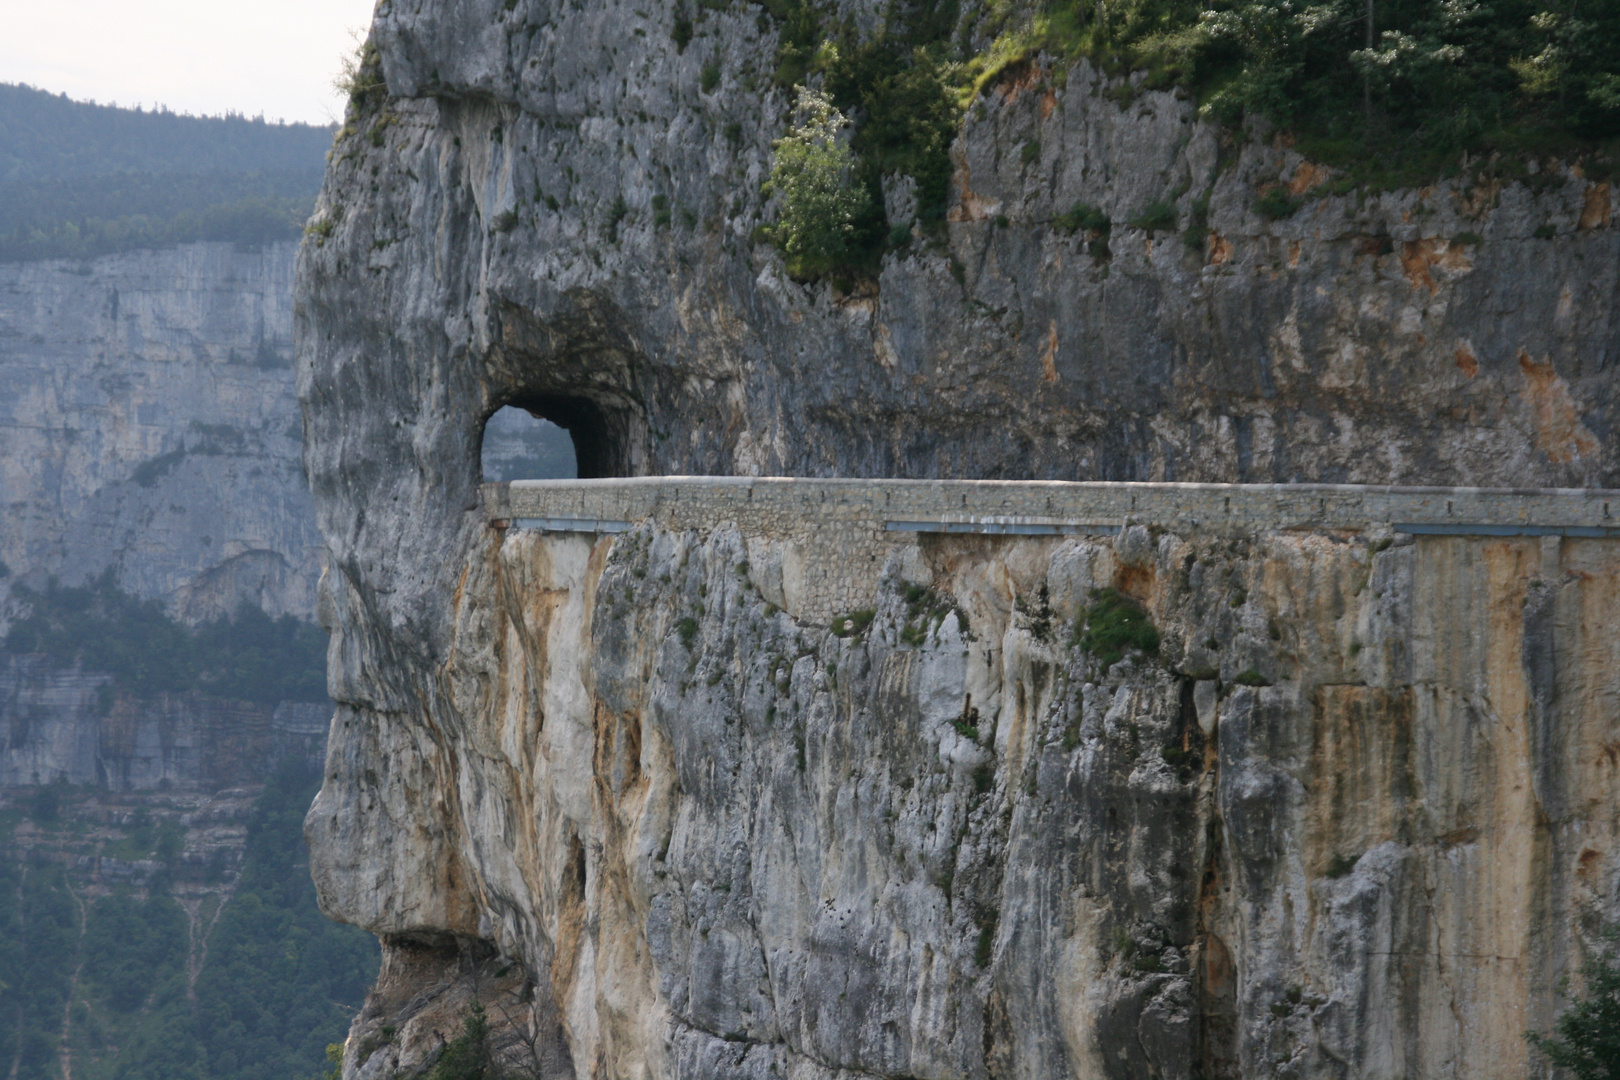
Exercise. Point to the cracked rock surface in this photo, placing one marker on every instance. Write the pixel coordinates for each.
(144, 393)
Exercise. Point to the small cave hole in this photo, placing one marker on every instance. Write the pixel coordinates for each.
(520, 445)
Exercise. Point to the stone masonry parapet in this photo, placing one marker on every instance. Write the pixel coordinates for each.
(828, 540)
(831, 538)
(789, 506)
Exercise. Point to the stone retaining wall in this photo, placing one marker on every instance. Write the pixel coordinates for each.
(828, 539)
(787, 505)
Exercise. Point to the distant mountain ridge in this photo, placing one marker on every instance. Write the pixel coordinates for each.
(78, 180)
(48, 136)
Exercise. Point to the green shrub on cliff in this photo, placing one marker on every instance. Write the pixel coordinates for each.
(1587, 1036)
(813, 182)
(854, 624)
(1414, 82)
(1113, 623)
(467, 1056)
(1393, 90)
(360, 77)
(909, 94)
(904, 82)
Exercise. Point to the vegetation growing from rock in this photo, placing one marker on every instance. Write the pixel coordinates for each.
(926, 609)
(1112, 624)
(248, 656)
(1419, 80)
(1394, 91)
(1340, 865)
(1083, 216)
(907, 88)
(1155, 217)
(687, 628)
(468, 1056)
(1586, 1039)
(821, 200)
(854, 624)
(908, 92)
(360, 78)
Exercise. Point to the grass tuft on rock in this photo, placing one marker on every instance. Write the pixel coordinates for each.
(1113, 624)
(854, 624)
(1155, 217)
(1341, 865)
(687, 628)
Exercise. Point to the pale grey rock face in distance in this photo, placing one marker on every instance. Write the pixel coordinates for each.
(149, 427)
(519, 446)
(67, 724)
(530, 760)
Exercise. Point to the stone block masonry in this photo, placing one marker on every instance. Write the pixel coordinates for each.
(835, 533)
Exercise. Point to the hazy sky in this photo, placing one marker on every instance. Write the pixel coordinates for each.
(275, 57)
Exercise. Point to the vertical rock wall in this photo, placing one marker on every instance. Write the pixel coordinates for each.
(1356, 818)
(72, 725)
(150, 428)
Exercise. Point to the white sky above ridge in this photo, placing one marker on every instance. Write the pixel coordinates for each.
(271, 57)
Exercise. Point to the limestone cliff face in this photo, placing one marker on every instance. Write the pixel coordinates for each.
(1353, 820)
(149, 427)
(70, 724)
(740, 845)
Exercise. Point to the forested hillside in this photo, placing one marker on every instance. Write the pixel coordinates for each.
(133, 948)
(248, 656)
(168, 933)
(79, 180)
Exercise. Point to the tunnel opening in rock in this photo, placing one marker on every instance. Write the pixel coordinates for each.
(572, 436)
(521, 446)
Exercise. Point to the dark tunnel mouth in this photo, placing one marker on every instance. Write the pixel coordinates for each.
(600, 434)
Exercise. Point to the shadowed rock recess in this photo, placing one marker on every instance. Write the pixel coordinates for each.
(1354, 816)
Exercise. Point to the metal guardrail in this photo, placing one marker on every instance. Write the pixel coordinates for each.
(571, 524)
(1009, 527)
(1446, 528)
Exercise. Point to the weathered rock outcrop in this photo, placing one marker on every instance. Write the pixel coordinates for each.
(1420, 336)
(149, 427)
(1353, 823)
